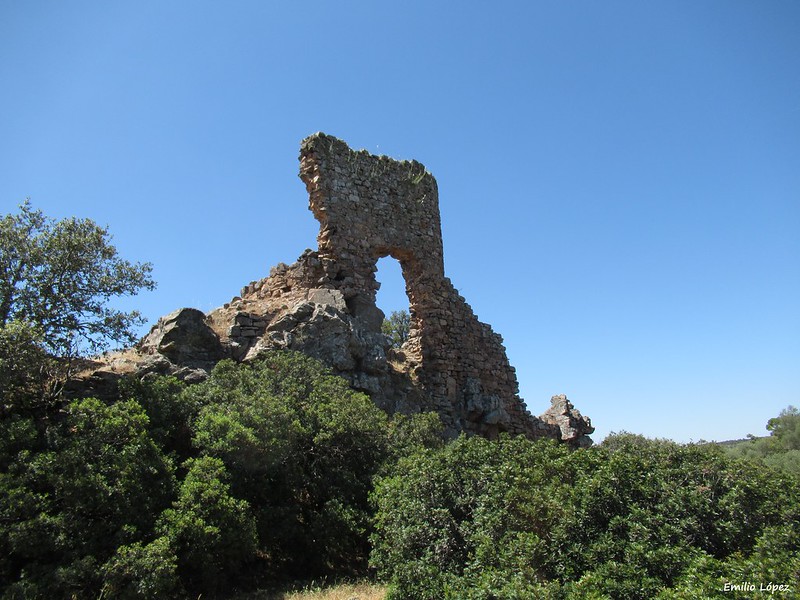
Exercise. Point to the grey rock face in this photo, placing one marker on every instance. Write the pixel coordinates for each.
(185, 339)
(574, 427)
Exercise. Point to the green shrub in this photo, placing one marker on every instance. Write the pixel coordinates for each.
(142, 571)
(302, 448)
(169, 409)
(94, 482)
(631, 519)
(781, 450)
(212, 533)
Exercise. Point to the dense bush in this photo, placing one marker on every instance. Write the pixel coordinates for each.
(631, 519)
(301, 448)
(261, 473)
(74, 493)
(264, 473)
(211, 533)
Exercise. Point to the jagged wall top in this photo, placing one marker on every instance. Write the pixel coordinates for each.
(372, 206)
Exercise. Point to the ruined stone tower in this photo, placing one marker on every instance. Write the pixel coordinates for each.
(370, 207)
(323, 305)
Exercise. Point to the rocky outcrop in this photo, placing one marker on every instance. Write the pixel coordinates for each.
(574, 427)
(323, 305)
(184, 338)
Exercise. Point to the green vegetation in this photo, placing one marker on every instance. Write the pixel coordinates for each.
(397, 327)
(633, 518)
(277, 471)
(59, 275)
(260, 473)
(781, 449)
(263, 474)
(56, 279)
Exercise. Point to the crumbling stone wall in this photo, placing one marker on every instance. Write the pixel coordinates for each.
(323, 305)
(370, 207)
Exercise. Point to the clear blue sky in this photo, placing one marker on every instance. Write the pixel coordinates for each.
(619, 181)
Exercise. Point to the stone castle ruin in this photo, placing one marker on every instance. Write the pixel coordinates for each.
(324, 305)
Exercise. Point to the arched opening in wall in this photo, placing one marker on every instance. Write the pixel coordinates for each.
(391, 298)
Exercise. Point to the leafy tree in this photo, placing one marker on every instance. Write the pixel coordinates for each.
(397, 327)
(25, 366)
(59, 276)
(781, 449)
(785, 428)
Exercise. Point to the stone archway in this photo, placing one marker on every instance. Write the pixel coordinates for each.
(371, 206)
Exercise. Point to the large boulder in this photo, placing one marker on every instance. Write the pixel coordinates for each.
(575, 428)
(185, 339)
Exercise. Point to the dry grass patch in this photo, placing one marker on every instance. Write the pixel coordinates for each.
(344, 591)
(350, 591)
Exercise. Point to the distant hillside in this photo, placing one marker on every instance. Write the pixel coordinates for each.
(732, 443)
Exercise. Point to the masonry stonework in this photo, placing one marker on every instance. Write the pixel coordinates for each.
(324, 305)
(370, 207)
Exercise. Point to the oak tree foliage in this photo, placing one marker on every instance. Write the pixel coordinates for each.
(781, 449)
(60, 275)
(57, 278)
(396, 327)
